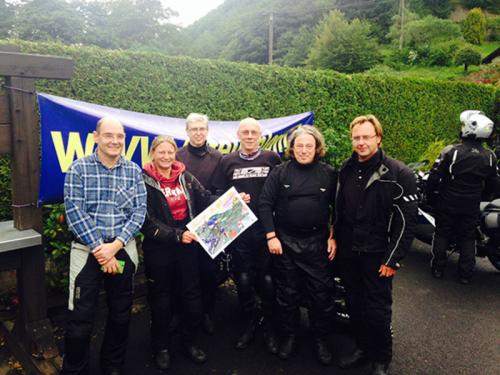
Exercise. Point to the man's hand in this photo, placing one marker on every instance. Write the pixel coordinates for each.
(246, 197)
(188, 237)
(103, 253)
(112, 266)
(386, 271)
(331, 248)
(274, 246)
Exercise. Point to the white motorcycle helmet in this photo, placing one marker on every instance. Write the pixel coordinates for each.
(475, 125)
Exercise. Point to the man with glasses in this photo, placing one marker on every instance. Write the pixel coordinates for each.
(105, 201)
(247, 170)
(202, 161)
(376, 209)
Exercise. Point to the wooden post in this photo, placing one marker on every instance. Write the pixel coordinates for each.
(25, 156)
(32, 339)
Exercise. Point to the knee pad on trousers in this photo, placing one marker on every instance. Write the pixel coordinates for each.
(267, 284)
(244, 280)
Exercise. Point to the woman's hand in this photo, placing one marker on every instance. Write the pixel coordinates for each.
(331, 248)
(188, 237)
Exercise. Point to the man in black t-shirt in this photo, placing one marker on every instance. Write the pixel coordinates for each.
(247, 170)
(202, 161)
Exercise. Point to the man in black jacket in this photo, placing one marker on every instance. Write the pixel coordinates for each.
(202, 161)
(376, 208)
(247, 170)
(461, 174)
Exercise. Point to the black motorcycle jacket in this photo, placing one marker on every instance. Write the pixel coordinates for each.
(462, 175)
(386, 214)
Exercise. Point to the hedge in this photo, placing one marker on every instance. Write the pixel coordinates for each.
(414, 112)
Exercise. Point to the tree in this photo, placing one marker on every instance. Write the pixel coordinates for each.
(296, 46)
(48, 20)
(343, 46)
(467, 56)
(474, 26)
(6, 18)
(491, 5)
(430, 29)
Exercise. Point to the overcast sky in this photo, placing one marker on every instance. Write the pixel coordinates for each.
(191, 10)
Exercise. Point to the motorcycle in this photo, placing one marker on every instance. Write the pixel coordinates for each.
(487, 230)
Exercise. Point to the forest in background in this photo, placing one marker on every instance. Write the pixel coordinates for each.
(344, 35)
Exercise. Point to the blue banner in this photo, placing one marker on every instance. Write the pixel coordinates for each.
(67, 126)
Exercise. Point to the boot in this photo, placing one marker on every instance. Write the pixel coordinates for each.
(288, 347)
(323, 354)
(379, 369)
(194, 353)
(162, 359)
(248, 334)
(208, 324)
(355, 359)
(270, 339)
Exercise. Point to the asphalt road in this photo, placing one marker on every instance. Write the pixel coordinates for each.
(440, 327)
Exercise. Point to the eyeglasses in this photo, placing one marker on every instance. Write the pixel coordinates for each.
(112, 137)
(307, 147)
(365, 138)
(198, 130)
(253, 133)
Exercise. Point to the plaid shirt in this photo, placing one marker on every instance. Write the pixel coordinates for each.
(103, 204)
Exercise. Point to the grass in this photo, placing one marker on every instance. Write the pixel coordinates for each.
(445, 73)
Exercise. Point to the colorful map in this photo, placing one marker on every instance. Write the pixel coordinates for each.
(222, 222)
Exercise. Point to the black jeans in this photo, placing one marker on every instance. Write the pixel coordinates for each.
(252, 272)
(458, 226)
(119, 295)
(303, 270)
(175, 274)
(369, 303)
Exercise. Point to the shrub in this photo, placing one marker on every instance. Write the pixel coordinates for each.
(474, 26)
(493, 29)
(467, 56)
(414, 112)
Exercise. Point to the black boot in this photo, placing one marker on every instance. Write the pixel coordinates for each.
(208, 324)
(323, 354)
(162, 359)
(379, 369)
(270, 339)
(194, 353)
(355, 359)
(437, 273)
(288, 346)
(248, 334)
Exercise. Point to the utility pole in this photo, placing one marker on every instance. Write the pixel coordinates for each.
(402, 20)
(270, 49)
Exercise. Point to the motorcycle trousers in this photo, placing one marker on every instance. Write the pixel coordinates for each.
(252, 273)
(458, 227)
(86, 278)
(174, 280)
(303, 271)
(369, 303)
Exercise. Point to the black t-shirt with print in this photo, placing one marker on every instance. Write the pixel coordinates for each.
(245, 175)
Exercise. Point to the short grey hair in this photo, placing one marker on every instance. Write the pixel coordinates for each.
(196, 117)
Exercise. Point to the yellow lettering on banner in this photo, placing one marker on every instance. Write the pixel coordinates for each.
(74, 149)
(144, 150)
(225, 148)
(128, 153)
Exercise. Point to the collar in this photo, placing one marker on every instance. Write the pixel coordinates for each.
(198, 151)
(95, 158)
(252, 156)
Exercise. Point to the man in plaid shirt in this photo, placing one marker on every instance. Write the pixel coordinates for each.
(105, 200)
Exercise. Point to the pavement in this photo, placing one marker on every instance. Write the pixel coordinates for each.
(440, 327)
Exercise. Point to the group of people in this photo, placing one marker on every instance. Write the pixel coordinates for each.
(359, 219)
